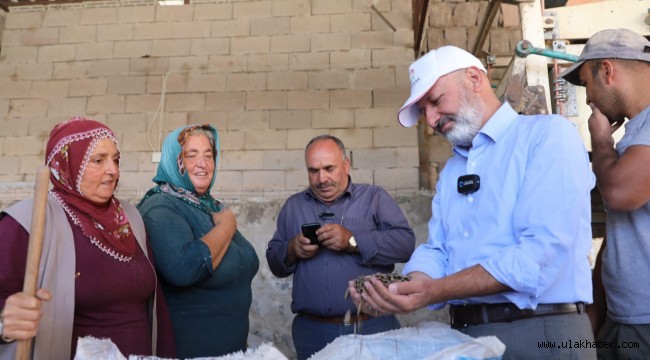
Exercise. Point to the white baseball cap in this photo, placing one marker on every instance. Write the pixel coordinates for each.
(424, 73)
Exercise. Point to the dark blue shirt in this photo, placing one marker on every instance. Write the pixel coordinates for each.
(381, 230)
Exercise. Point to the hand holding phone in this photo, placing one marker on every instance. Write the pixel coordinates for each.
(309, 231)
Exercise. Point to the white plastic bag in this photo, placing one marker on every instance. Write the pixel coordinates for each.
(429, 340)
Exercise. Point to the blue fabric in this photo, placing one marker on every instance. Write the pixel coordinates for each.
(529, 224)
(627, 254)
(209, 308)
(377, 223)
(310, 336)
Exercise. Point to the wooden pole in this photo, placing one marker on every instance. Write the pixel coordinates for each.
(35, 247)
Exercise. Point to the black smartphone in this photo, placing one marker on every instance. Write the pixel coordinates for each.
(309, 231)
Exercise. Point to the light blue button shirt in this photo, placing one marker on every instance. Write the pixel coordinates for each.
(529, 224)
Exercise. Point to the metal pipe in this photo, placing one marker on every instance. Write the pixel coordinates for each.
(525, 48)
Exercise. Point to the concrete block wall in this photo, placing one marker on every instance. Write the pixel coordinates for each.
(269, 74)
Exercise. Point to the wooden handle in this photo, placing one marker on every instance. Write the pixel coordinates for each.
(24, 347)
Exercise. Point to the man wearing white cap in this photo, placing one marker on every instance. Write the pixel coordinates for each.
(614, 67)
(510, 232)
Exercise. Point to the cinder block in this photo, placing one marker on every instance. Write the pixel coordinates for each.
(67, 107)
(248, 120)
(390, 97)
(466, 14)
(310, 24)
(371, 158)
(308, 99)
(397, 179)
(372, 40)
(270, 26)
(225, 100)
(112, 32)
(77, 34)
(291, 8)
(43, 126)
(149, 65)
(392, 57)
(456, 37)
(376, 117)
(331, 41)
(403, 38)
(40, 36)
(500, 41)
(375, 78)
(201, 82)
(284, 160)
(435, 38)
(265, 140)
(189, 63)
(350, 59)
(260, 8)
(7, 70)
(12, 127)
(10, 164)
(119, 84)
(329, 79)
(25, 108)
(185, 102)
(191, 29)
(255, 81)
(228, 28)
(350, 23)
(61, 18)
(263, 179)
(250, 45)
(49, 88)
(94, 16)
(510, 15)
(354, 138)
(227, 180)
(108, 67)
(14, 89)
(362, 176)
(309, 61)
(136, 14)
(298, 138)
(39, 71)
(131, 49)
(25, 54)
(70, 70)
(4, 110)
(401, 20)
(350, 99)
(11, 38)
(136, 123)
(331, 119)
(268, 62)
(289, 80)
(146, 31)
(174, 13)
(227, 63)
(320, 7)
(218, 119)
(212, 11)
(130, 142)
(29, 163)
(440, 14)
(402, 76)
(395, 137)
(130, 161)
(94, 51)
(290, 119)
(109, 104)
(266, 100)
(210, 46)
(242, 160)
(23, 20)
(23, 145)
(179, 47)
(290, 43)
(297, 178)
(231, 140)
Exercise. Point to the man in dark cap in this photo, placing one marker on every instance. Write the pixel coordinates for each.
(614, 67)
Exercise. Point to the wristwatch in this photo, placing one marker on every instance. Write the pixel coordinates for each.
(353, 243)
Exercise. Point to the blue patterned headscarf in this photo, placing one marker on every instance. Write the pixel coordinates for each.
(171, 176)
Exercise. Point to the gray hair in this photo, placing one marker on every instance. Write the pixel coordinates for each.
(333, 138)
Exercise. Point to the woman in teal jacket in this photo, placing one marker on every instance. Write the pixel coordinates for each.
(205, 265)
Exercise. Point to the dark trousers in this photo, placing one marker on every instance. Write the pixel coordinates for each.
(566, 336)
(311, 336)
(623, 341)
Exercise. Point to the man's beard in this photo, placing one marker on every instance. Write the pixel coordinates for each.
(467, 122)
